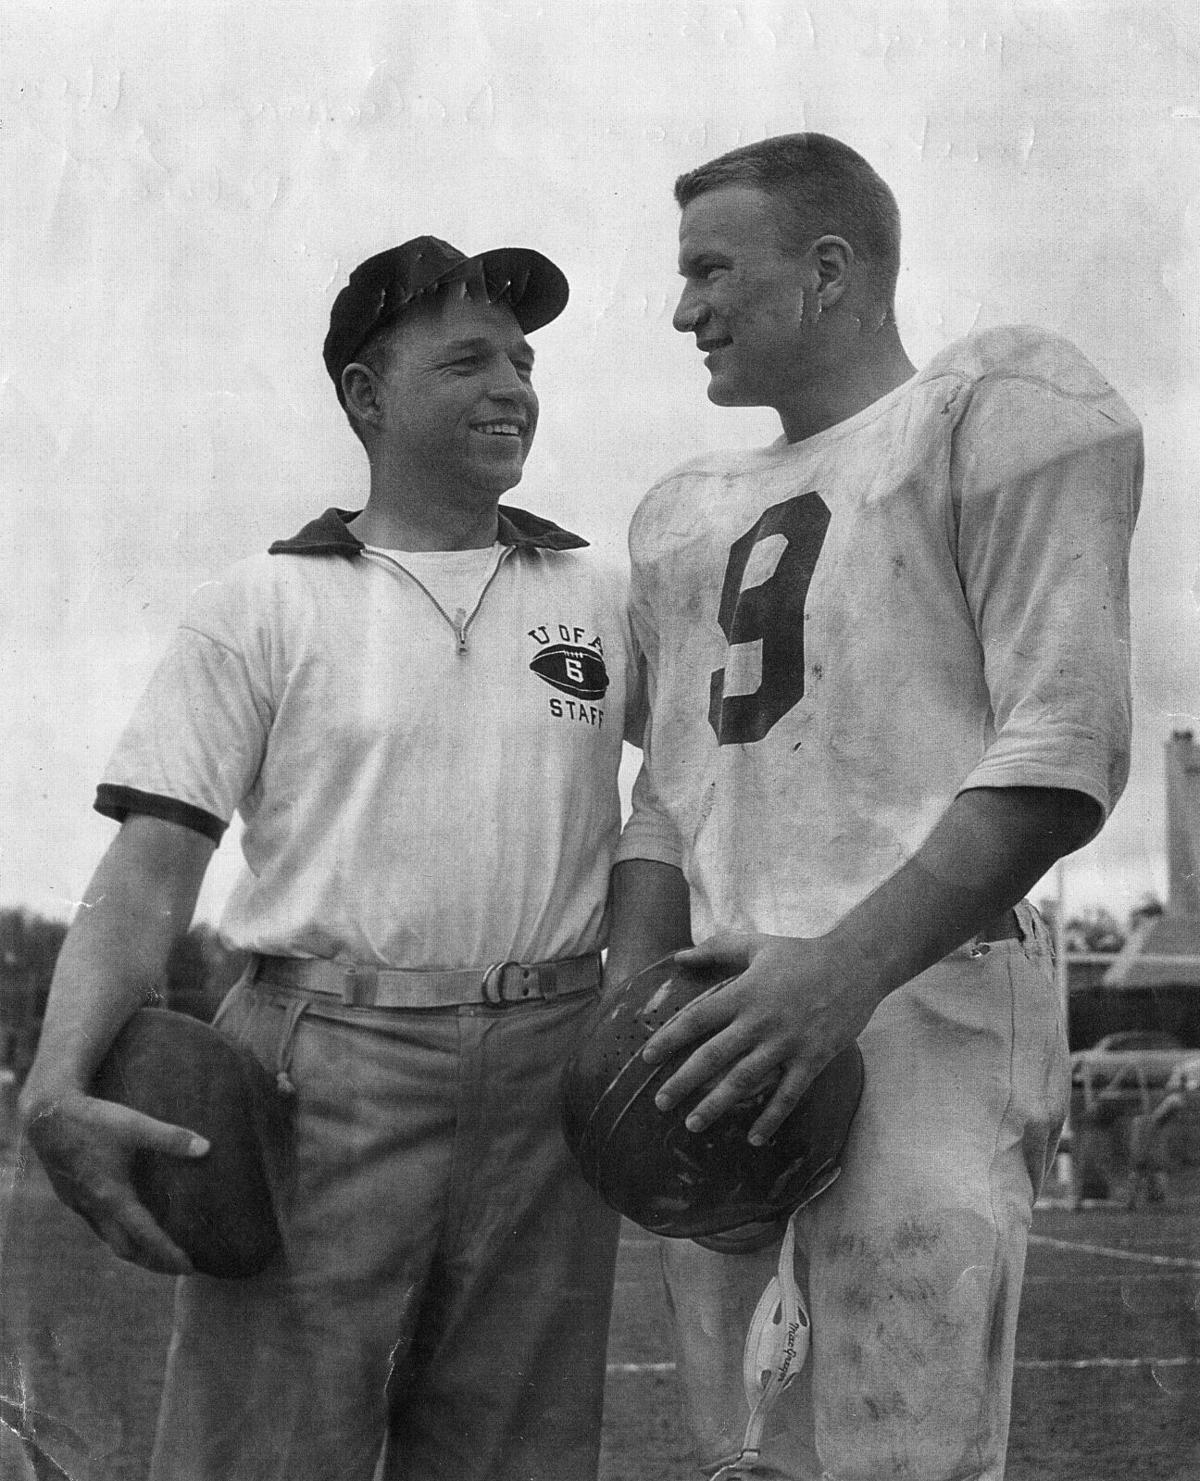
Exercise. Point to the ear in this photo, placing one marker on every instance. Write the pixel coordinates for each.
(360, 387)
(834, 261)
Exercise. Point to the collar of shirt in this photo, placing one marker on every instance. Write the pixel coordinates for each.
(329, 534)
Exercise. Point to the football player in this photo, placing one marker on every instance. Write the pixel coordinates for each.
(888, 659)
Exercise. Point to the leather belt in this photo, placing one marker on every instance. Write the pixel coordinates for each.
(499, 986)
(1004, 928)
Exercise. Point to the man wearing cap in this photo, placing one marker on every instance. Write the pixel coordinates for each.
(418, 711)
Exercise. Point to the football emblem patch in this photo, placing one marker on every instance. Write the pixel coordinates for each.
(573, 670)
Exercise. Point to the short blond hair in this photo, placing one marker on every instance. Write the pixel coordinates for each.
(818, 186)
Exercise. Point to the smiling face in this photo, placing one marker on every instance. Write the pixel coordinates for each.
(744, 298)
(455, 399)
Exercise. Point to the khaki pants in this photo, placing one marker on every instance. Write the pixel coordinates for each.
(442, 1310)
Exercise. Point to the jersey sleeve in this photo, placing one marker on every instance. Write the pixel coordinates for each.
(1046, 485)
(649, 832)
(637, 707)
(194, 745)
(636, 702)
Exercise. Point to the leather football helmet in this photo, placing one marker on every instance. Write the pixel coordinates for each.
(648, 1165)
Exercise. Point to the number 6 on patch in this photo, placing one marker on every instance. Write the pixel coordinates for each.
(771, 614)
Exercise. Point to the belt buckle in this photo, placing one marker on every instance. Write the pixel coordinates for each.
(492, 985)
(360, 986)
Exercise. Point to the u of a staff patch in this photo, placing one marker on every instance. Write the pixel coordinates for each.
(573, 670)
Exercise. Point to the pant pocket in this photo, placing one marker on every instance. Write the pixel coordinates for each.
(233, 1006)
(266, 1024)
(1035, 935)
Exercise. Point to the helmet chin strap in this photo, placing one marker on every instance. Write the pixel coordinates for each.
(775, 1351)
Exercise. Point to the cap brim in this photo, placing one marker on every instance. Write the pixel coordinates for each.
(529, 283)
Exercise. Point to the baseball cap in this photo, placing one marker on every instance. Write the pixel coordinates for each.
(380, 288)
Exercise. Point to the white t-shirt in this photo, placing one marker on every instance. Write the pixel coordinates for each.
(455, 579)
(843, 633)
(407, 802)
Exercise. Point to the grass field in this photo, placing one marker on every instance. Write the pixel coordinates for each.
(1108, 1362)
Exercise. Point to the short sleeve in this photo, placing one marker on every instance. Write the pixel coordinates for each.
(649, 832)
(1046, 484)
(194, 745)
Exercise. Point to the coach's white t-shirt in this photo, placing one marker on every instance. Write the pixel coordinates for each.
(455, 579)
(415, 792)
(844, 632)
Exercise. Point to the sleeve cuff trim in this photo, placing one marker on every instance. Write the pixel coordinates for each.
(119, 802)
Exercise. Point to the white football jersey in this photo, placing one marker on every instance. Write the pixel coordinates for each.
(844, 632)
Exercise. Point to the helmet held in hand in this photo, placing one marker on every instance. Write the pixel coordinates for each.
(646, 1163)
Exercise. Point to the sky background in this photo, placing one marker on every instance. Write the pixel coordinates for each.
(183, 189)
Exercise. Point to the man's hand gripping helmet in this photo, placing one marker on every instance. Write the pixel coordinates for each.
(648, 1165)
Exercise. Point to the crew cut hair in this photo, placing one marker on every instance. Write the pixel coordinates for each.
(819, 186)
